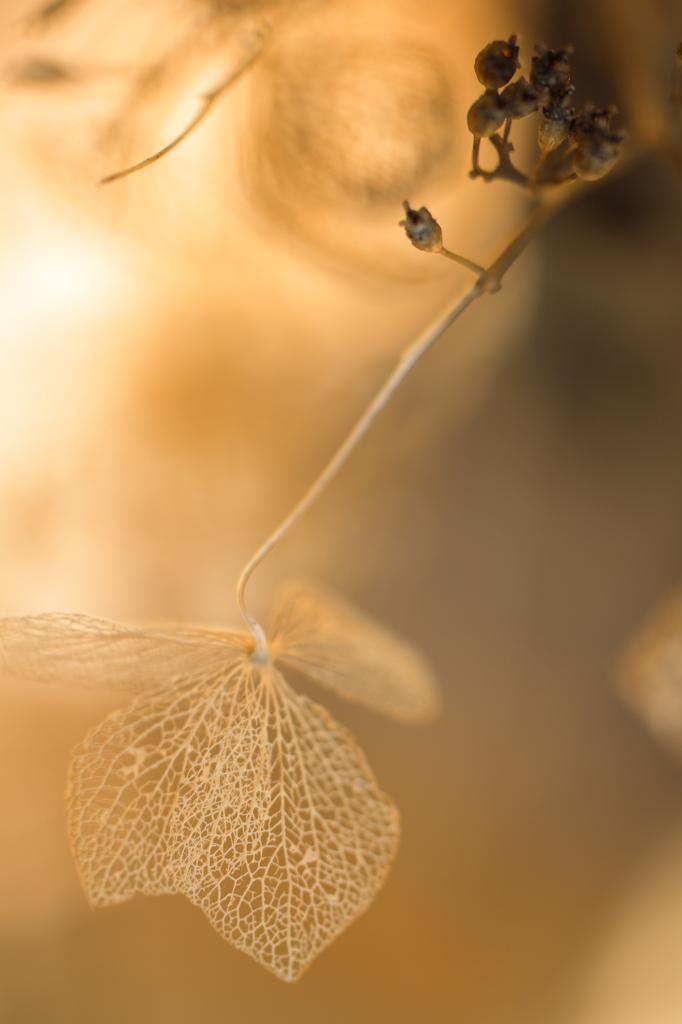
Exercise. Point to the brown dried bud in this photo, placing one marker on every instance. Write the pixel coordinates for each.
(497, 63)
(553, 129)
(596, 146)
(519, 99)
(422, 229)
(486, 115)
(594, 124)
(550, 72)
(555, 122)
(594, 160)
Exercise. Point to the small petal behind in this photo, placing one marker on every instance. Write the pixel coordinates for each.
(337, 645)
(651, 673)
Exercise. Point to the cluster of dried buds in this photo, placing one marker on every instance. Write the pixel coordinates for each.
(571, 145)
(589, 140)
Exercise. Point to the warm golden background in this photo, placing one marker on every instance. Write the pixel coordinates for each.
(180, 352)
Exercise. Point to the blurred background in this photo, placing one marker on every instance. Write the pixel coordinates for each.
(182, 350)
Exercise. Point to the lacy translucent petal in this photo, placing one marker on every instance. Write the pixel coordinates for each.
(337, 645)
(77, 650)
(125, 780)
(250, 800)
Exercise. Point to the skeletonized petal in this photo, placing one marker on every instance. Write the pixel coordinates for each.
(651, 672)
(127, 774)
(250, 800)
(77, 650)
(335, 644)
(325, 839)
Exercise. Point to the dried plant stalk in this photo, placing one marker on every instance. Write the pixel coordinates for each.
(489, 281)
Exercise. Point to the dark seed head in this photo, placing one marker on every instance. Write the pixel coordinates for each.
(550, 72)
(497, 63)
(519, 99)
(596, 145)
(486, 115)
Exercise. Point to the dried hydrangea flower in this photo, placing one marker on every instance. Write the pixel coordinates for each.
(219, 781)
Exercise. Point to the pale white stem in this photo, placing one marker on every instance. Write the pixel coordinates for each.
(408, 359)
(488, 281)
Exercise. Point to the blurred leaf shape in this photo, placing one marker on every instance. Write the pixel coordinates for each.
(219, 781)
(651, 672)
(336, 645)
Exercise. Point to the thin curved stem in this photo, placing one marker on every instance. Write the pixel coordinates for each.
(475, 166)
(463, 261)
(533, 176)
(488, 281)
(209, 99)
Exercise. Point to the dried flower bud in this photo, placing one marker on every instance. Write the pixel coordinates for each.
(550, 72)
(594, 161)
(596, 146)
(553, 128)
(422, 230)
(497, 63)
(519, 99)
(486, 115)
(555, 122)
(593, 123)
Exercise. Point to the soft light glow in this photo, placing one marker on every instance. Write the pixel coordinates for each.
(54, 277)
